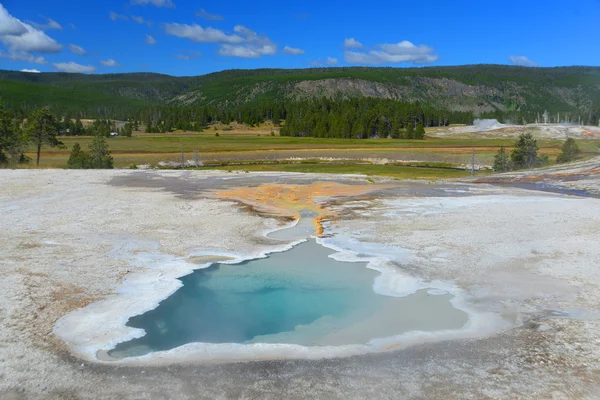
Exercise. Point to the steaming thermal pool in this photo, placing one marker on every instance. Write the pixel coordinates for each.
(298, 297)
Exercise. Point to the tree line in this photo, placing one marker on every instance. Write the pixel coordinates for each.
(323, 117)
(525, 154)
(41, 129)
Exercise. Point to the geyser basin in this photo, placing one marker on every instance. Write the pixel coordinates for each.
(301, 296)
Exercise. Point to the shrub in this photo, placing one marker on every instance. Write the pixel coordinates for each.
(570, 151)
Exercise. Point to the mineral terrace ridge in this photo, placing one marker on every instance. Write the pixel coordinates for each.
(74, 240)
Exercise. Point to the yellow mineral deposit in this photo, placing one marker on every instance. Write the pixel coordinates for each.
(289, 200)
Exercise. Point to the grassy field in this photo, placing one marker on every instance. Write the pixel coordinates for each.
(261, 152)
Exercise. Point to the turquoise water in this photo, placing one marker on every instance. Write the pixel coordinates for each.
(300, 296)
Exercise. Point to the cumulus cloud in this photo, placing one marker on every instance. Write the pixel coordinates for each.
(33, 71)
(402, 52)
(150, 40)
(253, 46)
(202, 13)
(198, 34)
(293, 51)
(74, 68)
(33, 40)
(157, 3)
(229, 50)
(21, 56)
(77, 50)
(109, 63)
(141, 20)
(22, 39)
(244, 42)
(331, 61)
(10, 25)
(522, 61)
(114, 16)
(351, 43)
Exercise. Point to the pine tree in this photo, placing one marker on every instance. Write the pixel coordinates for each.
(420, 131)
(99, 154)
(570, 151)
(502, 162)
(525, 154)
(78, 159)
(42, 130)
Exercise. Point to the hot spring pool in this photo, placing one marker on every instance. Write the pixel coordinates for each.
(301, 296)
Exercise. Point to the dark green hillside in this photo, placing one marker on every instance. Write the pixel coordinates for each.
(80, 101)
(489, 90)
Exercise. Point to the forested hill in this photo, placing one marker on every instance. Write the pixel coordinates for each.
(482, 89)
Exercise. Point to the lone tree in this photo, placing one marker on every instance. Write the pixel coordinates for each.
(525, 154)
(502, 162)
(99, 154)
(570, 151)
(42, 129)
(78, 159)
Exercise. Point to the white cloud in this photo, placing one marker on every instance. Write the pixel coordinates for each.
(331, 61)
(114, 16)
(253, 46)
(243, 43)
(23, 56)
(109, 63)
(522, 61)
(10, 25)
(351, 43)
(21, 39)
(247, 51)
(33, 71)
(202, 13)
(293, 51)
(72, 26)
(229, 50)
(141, 20)
(198, 34)
(402, 52)
(150, 40)
(241, 29)
(74, 68)
(77, 50)
(157, 3)
(33, 40)
(50, 24)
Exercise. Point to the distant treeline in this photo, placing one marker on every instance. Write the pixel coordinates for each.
(366, 118)
(508, 93)
(324, 117)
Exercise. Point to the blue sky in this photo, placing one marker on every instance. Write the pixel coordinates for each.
(181, 37)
